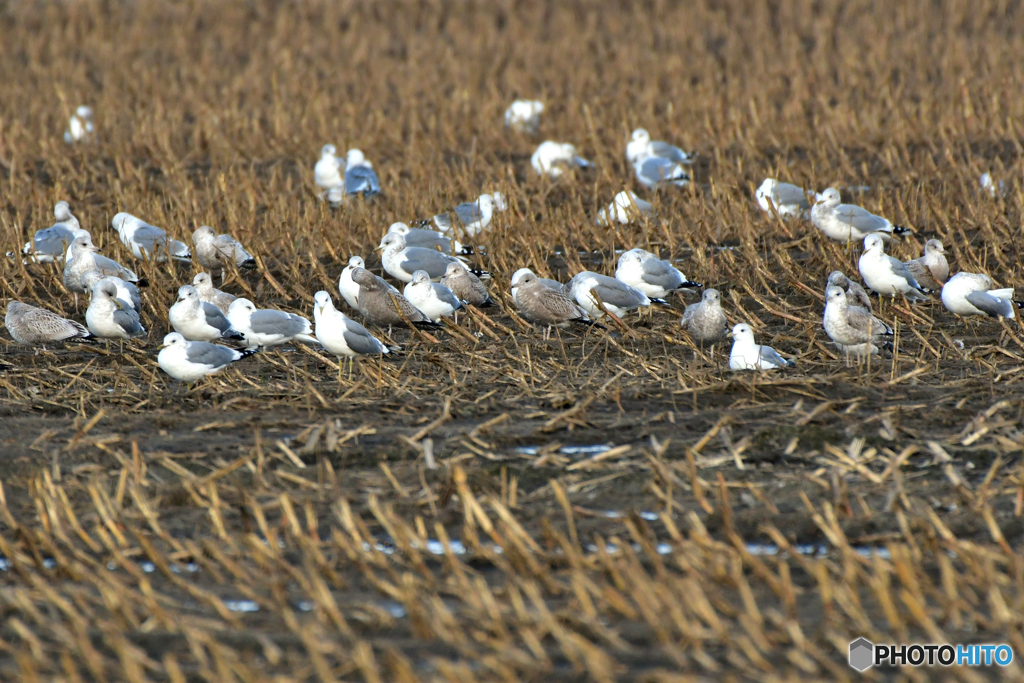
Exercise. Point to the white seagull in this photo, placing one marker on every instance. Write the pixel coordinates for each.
(746, 354)
(846, 222)
(197, 320)
(109, 317)
(189, 361)
(884, 274)
(340, 335)
(401, 261)
(654, 277)
(267, 327)
(434, 299)
(640, 146)
(52, 243)
(625, 208)
(552, 158)
(80, 126)
(615, 297)
(783, 198)
(148, 242)
(524, 115)
(972, 294)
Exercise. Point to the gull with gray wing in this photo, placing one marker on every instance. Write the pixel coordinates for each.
(197, 320)
(190, 361)
(381, 306)
(148, 242)
(884, 274)
(853, 329)
(109, 317)
(746, 354)
(598, 294)
(931, 270)
(654, 277)
(544, 305)
(52, 243)
(268, 327)
(974, 294)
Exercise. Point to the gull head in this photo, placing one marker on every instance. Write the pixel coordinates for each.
(244, 305)
(365, 279)
(328, 151)
(83, 112)
(829, 197)
(835, 295)
(742, 333)
(202, 280)
(632, 256)
(399, 228)
(873, 243)
(62, 211)
(712, 297)
(453, 268)
(322, 300)
(392, 241)
(355, 157)
(640, 135)
(485, 202)
(767, 188)
(934, 247)
(203, 232)
(518, 276)
(420, 278)
(186, 292)
(522, 278)
(173, 339)
(82, 244)
(120, 221)
(837, 279)
(500, 201)
(356, 262)
(104, 289)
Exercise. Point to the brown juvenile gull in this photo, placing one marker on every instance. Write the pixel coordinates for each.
(705, 320)
(466, 286)
(210, 294)
(853, 329)
(545, 306)
(931, 270)
(854, 292)
(550, 284)
(215, 251)
(383, 307)
(38, 326)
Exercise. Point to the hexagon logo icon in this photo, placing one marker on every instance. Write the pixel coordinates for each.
(862, 654)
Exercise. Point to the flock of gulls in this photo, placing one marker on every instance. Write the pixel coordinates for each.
(213, 329)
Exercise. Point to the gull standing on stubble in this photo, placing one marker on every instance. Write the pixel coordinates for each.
(82, 258)
(705, 320)
(148, 242)
(543, 305)
(109, 317)
(197, 320)
(340, 335)
(846, 222)
(382, 306)
(190, 361)
(38, 326)
(884, 274)
(855, 294)
(268, 327)
(851, 328)
(746, 354)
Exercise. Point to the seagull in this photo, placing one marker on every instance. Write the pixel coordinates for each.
(524, 115)
(474, 216)
(550, 284)
(401, 261)
(340, 335)
(148, 242)
(784, 199)
(990, 186)
(931, 270)
(884, 274)
(598, 294)
(109, 317)
(552, 158)
(625, 208)
(641, 146)
(972, 294)
(82, 258)
(327, 172)
(381, 306)
(197, 320)
(214, 251)
(851, 328)
(654, 172)
(210, 294)
(748, 355)
(267, 327)
(126, 291)
(654, 277)
(428, 239)
(466, 286)
(50, 244)
(348, 289)
(38, 326)
(190, 361)
(80, 126)
(846, 222)
(360, 178)
(544, 305)
(854, 292)
(705, 320)
(434, 299)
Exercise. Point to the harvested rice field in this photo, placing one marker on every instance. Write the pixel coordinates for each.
(610, 503)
